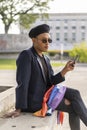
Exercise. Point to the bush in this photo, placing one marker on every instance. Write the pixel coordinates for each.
(53, 52)
(80, 50)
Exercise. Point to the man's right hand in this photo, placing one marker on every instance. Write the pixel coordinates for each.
(68, 67)
(13, 114)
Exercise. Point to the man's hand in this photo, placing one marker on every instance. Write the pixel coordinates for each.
(13, 114)
(68, 67)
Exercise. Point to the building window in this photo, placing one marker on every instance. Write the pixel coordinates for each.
(65, 20)
(73, 36)
(57, 36)
(65, 39)
(83, 36)
(73, 27)
(65, 36)
(58, 20)
(65, 27)
(58, 27)
(83, 21)
(83, 27)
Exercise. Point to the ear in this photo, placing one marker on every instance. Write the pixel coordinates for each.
(33, 40)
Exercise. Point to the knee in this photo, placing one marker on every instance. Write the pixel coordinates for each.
(67, 102)
(76, 94)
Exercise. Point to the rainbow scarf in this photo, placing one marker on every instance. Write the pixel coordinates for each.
(51, 100)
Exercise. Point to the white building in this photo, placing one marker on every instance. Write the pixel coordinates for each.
(66, 29)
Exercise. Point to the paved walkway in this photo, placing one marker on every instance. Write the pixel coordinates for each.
(76, 79)
(7, 78)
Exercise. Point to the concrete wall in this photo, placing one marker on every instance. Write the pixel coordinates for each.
(14, 43)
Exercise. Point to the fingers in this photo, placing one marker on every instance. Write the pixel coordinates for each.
(70, 65)
(16, 114)
(12, 115)
(7, 115)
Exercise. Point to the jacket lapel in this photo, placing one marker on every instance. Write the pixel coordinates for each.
(47, 62)
(40, 64)
(38, 59)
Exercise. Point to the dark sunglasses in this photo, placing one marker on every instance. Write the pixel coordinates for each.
(46, 40)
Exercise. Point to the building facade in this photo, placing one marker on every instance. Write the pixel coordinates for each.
(66, 29)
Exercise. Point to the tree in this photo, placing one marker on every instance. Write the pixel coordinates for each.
(81, 51)
(10, 10)
(26, 20)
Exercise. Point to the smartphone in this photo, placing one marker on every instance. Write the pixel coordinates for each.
(76, 58)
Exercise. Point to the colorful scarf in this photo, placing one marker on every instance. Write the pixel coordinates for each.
(51, 100)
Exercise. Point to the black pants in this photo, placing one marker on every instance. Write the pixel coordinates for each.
(77, 109)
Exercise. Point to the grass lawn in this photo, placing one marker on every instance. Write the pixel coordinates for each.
(7, 64)
(57, 64)
(11, 64)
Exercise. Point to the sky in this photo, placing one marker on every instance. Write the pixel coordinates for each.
(68, 6)
(59, 6)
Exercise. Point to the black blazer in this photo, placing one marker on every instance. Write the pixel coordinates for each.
(31, 80)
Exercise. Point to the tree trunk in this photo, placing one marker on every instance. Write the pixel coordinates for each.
(6, 28)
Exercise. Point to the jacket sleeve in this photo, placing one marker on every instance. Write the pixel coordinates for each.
(22, 77)
(55, 78)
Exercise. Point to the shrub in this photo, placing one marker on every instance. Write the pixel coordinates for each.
(80, 50)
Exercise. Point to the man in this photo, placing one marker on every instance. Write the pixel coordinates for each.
(35, 76)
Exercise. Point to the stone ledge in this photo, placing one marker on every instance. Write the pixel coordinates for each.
(26, 121)
(7, 100)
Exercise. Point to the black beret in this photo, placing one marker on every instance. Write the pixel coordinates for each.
(43, 28)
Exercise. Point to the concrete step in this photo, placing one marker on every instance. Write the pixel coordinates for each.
(7, 98)
(26, 121)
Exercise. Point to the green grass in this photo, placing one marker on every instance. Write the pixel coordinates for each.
(11, 64)
(7, 64)
(57, 64)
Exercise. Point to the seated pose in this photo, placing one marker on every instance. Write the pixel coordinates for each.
(35, 76)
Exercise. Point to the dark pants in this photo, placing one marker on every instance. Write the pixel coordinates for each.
(77, 110)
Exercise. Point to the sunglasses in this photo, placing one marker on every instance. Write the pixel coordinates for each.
(45, 40)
